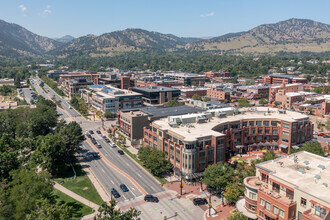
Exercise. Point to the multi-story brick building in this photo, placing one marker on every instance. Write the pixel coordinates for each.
(157, 94)
(192, 142)
(188, 92)
(292, 187)
(218, 94)
(282, 79)
(188, 79)
(106, 98)
(212, 75)
(72, 87)
(132, 121)
(273, 90)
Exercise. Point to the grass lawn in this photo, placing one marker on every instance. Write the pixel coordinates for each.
(78, 208)
(81, 185)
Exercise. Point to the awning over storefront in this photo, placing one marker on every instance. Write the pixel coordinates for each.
(283, 146)
(295, 147)
(274, 143)
(239, 146)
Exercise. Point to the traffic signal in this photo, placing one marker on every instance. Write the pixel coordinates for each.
(210, 204)
(175, 214)
(116, 202)
(162, 184)
(165, 218)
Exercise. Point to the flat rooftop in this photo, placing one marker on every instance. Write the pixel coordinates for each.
(314, 181)
(199, 130)
(155, 89)
(104, 92)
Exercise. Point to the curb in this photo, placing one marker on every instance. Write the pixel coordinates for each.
(146, 171)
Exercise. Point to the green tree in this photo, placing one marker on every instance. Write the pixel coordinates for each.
(243, 102)
(207, 99)
(108, 212)
(42, 84)
(17, 81)
(109, 114)
(196, 97)
(277, 103)
(45, 210)
(26, 188)
(312, 147)
(327, 124)
(232, 193)
(9, 152)
(263, 102)
(42, 120)
(218, 176)
(154, 160)
(174, 102)
(238, 216)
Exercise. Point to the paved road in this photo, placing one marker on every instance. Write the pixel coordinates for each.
(108, 177)
(27, 94)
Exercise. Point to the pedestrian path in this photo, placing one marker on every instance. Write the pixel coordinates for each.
(78, 198)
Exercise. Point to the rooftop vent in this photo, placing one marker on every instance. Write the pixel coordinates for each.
(317, 177)
(306, 162)
(301, 170)
(324, 184)
(321, 166)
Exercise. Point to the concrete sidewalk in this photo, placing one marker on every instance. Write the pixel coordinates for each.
(76, 196)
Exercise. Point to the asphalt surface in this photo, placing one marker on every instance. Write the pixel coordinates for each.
(27, 94)
(108, 177)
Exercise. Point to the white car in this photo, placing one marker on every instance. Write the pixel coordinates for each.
(70, 107)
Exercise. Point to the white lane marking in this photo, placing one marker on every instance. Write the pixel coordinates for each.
(112, 182)
(103, 170)
(152, 187)
(127, 164)
(139, 175)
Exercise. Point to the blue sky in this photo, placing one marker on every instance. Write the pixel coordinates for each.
(195, 18)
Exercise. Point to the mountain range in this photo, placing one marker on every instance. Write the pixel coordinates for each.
(293, 35)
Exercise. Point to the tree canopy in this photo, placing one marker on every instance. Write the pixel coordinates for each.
(154, 160)
(312, 147)
(108, 212)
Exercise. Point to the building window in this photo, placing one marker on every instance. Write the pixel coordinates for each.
(320, 211)
(261, 214)
(258, 123)
(285, 136)
(286, 125)
(281, 213)
(276, 187)
(267, 206)
(251, 123)
(275, 210)
(274, 131)
(220, 141)
(303, 202)
(267, 131)
(244, 124)
(274, 123)
(262, 202)
(252, 195)
(266, 123)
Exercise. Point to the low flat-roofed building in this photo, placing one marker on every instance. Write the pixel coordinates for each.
(188, 92)
(106, 98)
(291, 187)
(189, 79)
(8, 82)
(216, 135)
(155, 95)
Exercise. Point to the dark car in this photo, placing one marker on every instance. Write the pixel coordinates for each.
(121, 152)
(151, 198)
(99, 145)
(107, 140)
(115, 193)
(98, 131)
(124, 187)
(94, 154)
(199, 201)
(91, 131)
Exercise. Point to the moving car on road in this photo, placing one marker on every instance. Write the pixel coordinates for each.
(98, 131)
(113, 145)
(151, 198)
(91, 131)
(115, 193)
(121, 152)
(199, 201)
(124, 187)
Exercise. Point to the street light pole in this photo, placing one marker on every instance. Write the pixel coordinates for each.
(210, 205)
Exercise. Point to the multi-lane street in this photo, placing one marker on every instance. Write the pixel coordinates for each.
(112, 169)
(109, 178)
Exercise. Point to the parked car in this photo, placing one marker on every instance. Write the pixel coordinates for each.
(94, 154)
(124, 187)
(121, 152)
(107, 140)
(321, 134)
(91, 131)
(315, 133)
(113, 145)
(115, 193)
(199, 201)
(98, 131)
(99, 145)
(151, 198)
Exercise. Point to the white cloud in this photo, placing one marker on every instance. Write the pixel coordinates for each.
(24, 10)
(207, 15)
(47, 11)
